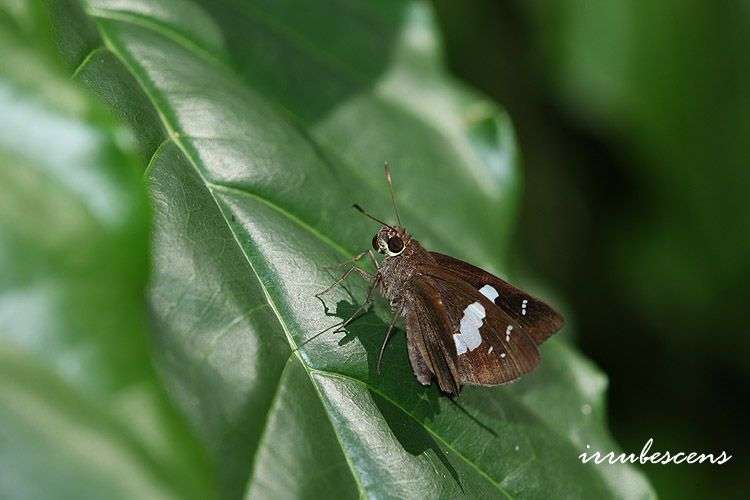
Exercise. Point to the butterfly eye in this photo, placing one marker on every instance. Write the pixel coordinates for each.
(395, 245)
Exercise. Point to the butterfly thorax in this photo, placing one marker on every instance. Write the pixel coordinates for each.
(396, 270)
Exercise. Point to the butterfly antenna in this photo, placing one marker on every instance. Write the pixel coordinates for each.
(390, 188)
(363, 212)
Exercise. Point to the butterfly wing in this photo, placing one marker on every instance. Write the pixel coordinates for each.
(431, 350)
(492, 348)
(538, 320)
(459, 336)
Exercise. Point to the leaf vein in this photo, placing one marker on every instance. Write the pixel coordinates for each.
(162, 29)
(264, 433)
(437, 436)
(86, 60)
(290, 339)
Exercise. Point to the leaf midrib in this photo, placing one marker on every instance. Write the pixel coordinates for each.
(175, 137)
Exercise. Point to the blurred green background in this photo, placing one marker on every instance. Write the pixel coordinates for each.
(633, 124)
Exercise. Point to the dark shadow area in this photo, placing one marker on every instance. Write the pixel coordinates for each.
(462, 408)
(414, 438)
(396, 378)
(396, 391)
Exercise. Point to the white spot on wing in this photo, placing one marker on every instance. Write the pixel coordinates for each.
(489, 292)
(469, 337)
(523, 307)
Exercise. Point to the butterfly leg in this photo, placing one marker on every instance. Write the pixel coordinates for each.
(373, 259)
(361, 309)
(342, 324)
(349, 271)
(387, 336)
(350, 261)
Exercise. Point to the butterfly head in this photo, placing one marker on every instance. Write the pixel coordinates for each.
(391, 241)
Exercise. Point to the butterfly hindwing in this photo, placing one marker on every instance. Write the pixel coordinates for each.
(538, 320)
(430, 347)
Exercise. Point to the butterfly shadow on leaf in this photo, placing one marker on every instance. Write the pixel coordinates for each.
(407, 407)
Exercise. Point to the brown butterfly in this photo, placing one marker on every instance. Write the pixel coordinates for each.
(463, 324)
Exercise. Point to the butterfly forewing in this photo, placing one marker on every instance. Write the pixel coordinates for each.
(491, 347)
(456, 334)
(537, 319)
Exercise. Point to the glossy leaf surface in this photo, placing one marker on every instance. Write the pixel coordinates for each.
(262, 122)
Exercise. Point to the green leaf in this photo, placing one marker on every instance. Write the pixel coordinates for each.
(82, 414)
(264, 121)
